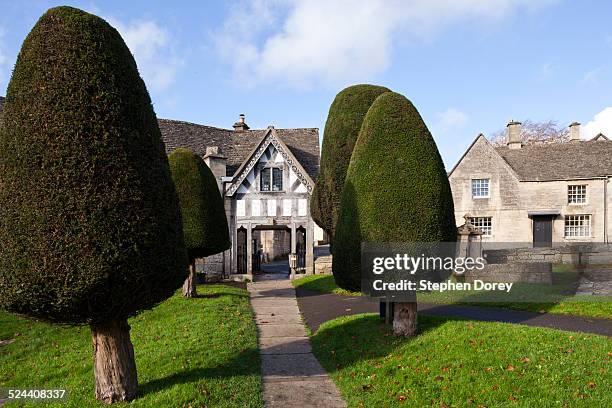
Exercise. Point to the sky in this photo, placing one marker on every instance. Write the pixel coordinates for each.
(469, 66)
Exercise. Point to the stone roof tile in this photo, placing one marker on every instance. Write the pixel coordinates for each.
(560, 161)
(236, 146)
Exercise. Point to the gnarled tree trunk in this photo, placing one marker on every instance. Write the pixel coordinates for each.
(405, 319)
(114, 364)
(189, 287)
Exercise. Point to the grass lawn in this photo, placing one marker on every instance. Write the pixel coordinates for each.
(459, 363)
(586, 306)
(189, 352)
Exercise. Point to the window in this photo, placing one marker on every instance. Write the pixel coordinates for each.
(480, 188)
(484, 224)
(271, 179)
(576, 194)
(577, 225)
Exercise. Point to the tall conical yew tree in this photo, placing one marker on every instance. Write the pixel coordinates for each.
(90, 224)
(341, 129)
(396, 191)
(204, 221)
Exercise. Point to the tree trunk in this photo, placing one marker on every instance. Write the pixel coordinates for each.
(189, 287)
(114, 365)
(405, 319)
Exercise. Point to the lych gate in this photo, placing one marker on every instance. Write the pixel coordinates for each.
(266, 179)
(270, 218)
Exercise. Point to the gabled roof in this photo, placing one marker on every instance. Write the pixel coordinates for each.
(489, 146)
(600, 137)
(555, 161)
(560, 161)
(238, 146)
(270, 138)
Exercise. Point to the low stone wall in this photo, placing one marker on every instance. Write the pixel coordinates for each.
(513, 273)
(323, 265)
(568, 254)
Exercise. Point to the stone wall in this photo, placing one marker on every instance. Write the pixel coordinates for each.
(566, 254)
(323, 265)
(513, 272)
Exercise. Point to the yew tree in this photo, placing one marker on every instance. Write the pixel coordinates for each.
(90, 224)
(396, 190)
(342, 127)
(204, 222)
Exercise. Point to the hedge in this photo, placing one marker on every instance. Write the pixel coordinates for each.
(396, 187)
(204, 222)
(342, 127)
(90, 225)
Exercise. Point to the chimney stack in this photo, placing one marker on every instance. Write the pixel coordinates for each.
(574, 130)
(241, 125)
(514, 135)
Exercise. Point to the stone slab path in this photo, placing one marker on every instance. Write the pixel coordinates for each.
(292, 376)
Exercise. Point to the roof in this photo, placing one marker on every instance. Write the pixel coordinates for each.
(560, 161)
(1, 105)
(237, 146)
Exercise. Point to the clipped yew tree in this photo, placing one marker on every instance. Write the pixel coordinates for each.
(396, 191)
(90, 224)
(342, 127)
(204, 222)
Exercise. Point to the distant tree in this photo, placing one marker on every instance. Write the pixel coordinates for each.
(535, 133)
(204, 221)
(341, 129)
(90, 225)
(396, 190)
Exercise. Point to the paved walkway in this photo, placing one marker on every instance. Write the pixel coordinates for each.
(318, 308)
(292, 376)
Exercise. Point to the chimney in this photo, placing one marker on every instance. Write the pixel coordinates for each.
(217, 164)
(574, 130)
(241, 125)
(514, 135)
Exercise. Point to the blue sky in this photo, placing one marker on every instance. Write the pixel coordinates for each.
(468, 65)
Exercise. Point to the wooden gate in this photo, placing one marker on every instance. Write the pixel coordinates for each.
(300, 248)
(241, 250)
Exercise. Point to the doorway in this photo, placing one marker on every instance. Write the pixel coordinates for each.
(542, 231)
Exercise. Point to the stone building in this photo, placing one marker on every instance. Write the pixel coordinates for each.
(266, 177)
(544, 194)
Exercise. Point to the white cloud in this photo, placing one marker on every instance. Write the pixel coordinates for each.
(450, 119)
(601, 123)
(157, 59)
(306, 41)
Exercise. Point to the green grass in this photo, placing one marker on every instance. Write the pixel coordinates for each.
(587, 306)
(323, 284)
(189, 352)
(458, 363)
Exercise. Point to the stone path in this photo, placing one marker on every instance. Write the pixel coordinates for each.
(292, 376)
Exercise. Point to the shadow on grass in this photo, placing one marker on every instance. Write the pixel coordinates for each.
(244, 364)
(362, 337)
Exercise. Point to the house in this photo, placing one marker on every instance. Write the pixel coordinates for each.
(266, 177)
(544, 194)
